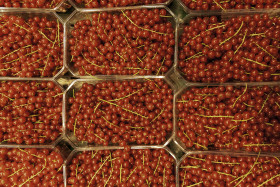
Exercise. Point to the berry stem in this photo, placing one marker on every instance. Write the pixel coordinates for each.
(259, 145)
(250, 60)
(121, 174)
(15, 51)
(109, 122)
(244, 119)
(184, 178)
(186, 135)
(264, 102)
(46, 37)
(21, 27)
(131, 173)
(91, 62)
(89, 73)
(127, 95)
(7, 97)
(195, 55)
(77, 166)
(244, 176)
(240, 95)
(109, 176)
(201, 115)
(277, 104)
(227, 163)
(93, 155)
(98, 170)
(226, 174)
(99, 137)
(248, 105)
(161, 65)
(195, 184)
(35, 174)
(219, 5)
(141, 27)
(124, 108)
(58, 95)
(233, 35)
(201, 146)
(264, 50)
(17, 171)
(157, 164)
(212, 128)
(158, 115)
(268, 180)
(213, 28)
(196, 158)
(243, 39)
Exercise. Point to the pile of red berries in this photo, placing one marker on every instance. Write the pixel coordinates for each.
(30, 3)
(228, 117)
(124, 168)
(230, 4)
(121, 112)
(243, 48)
(131, 42)
(31, 47)
(220, 170)
(30, 167)
(116, 3)
(31, 112)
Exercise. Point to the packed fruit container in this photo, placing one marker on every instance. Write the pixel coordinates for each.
(136, 166)
(134, 93)
(227, 169)
(227, 5)
(31, 44)
(135, 41)
(90, 4)
(234, 117)
(119, 112)
(229, 47)
(55, 5)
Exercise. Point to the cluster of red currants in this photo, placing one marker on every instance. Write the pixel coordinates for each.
(228, 117)
(31, 112)
(224, 170)
(130, 42)
(121, 112)
(31, 47)
(230, 4)
(124, 168)
(30, 167)
(30, 3)
(243, 48)
(117, 3)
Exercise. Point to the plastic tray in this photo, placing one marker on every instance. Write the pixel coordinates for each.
(63, 6)
(78, 6)
(63, 129)
(62, 148)
(222, 16)
(224, 153)
(29, 13)
(189, 11)
(187, 86)
(78, 150)
(78, 83)
(85, 14)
